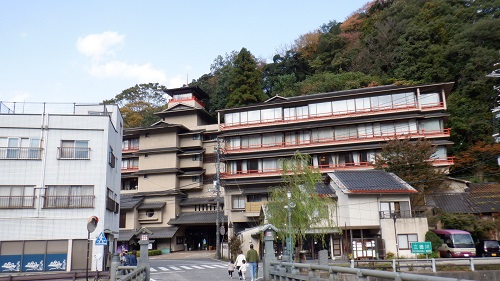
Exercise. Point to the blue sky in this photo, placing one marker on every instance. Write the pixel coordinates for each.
(88, 51)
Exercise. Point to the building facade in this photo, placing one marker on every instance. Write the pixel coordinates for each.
(341, 130)
(169, 168)
(59, 167)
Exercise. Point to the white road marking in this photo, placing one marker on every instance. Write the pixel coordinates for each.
(163, 268)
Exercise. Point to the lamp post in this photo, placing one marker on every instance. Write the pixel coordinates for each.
(289, 214)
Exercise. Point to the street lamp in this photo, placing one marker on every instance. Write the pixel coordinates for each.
(289, 207)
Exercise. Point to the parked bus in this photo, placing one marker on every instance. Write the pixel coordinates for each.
(456, 243)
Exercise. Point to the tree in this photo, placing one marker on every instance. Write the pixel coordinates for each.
(311, 211)
(480, 161)
(245, 84)
(139, 103)
(411, 160)
(478, 228)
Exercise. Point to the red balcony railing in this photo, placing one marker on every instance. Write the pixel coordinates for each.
(130, 169)
(130, 149)
(322, 168)
(339, 140)
(187, 99)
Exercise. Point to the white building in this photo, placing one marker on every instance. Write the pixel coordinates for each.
(59, 165)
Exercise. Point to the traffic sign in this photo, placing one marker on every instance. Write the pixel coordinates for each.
(421, 248)
(101, 240)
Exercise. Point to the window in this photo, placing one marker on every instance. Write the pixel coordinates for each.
(180, 240)
(196, 137)
(17, 197)
(238, 202)
(195, 179)
(123, 220)
(111, 158)
(400, 209)
(129, 184)
(405, 240)
(130, 163)
(150, 213)
(196, 157)
(130, 144)
(73, 196)
(19, 148)
(74, 149)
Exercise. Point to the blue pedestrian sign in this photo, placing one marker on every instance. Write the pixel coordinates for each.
(101, 240)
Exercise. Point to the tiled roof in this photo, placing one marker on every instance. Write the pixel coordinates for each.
(199, 201)
(126, 234)
(325, 190)
(198, 218)
(129, 202)
(479, 198)
(370, 181)
(151, 205)
(163, 232)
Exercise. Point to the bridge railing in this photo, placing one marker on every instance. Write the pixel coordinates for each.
(286, 271)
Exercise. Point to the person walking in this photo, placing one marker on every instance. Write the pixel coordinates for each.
(133, 258)
(239, 262)
(230, 268)
(243, 269)
(252, 259)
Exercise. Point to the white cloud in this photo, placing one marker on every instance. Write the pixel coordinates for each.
(100, 48)
(140, 73)
(176, 82)
(97, 46)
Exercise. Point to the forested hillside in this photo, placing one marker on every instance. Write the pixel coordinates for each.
(385, 42)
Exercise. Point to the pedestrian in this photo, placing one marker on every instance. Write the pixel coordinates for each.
(230, 268)
(239, 262)
(124, 260)
(133, 258)
(243, 269)
(252, 259)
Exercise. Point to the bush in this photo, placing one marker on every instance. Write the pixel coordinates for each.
(432, 237)
(390, 256)
(151, 253)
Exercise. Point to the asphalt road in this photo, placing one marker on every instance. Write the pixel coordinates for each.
(191, 266)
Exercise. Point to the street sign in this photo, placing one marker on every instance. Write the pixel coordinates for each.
(421, 248)
(101, 240)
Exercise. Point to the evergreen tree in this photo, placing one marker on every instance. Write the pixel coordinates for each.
(245, 84)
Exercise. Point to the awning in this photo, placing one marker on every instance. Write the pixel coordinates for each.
(198, 218)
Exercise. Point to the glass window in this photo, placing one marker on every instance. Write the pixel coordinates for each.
(430, 99)
(69, 197)
(405, 240)
(362, 104)
(238, 202)
(339, 106)
(253, 116)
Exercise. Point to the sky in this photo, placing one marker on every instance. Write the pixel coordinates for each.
(89, 51)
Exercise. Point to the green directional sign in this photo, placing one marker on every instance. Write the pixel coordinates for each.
(421, 248)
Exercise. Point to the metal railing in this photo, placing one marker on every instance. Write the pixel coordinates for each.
(25, 153)
(290, 271)
(68, 202)
(400, 214)
(17, 202)
(77, 153)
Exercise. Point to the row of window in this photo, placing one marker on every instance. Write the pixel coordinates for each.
(337, 133)
(322, 160)
(29, 148)
(329, 108)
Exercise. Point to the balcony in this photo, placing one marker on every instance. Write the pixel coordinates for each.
(68, 202)
(21, 153)
(73, 153)
(130, 149)
(338, 140)
(180, 99)
(334, 115)
(400, 214)
(322, 168)
(130, 169)
(253, 208)
(17, 202)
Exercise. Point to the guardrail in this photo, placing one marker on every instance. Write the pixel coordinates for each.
(137, 273)
(289, 271)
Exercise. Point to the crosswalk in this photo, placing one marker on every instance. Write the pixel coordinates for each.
(186, 267)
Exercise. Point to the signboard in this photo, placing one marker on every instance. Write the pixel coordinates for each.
(101, 240)
(421, 248)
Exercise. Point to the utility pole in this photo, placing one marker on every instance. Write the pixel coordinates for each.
(217, 199)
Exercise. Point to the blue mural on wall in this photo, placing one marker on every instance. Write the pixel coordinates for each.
(10, 263)
(56, 262)
(33, 262)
